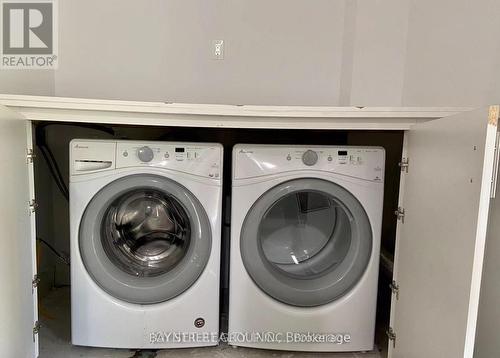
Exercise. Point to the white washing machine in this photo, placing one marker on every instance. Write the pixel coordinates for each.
(305, 242)
(145, 243)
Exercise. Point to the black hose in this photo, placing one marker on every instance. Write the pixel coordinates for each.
(49, 156)
(55, 172)
(97, 127)
(53, 249)
(56, 167)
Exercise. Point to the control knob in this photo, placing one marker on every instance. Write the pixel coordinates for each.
(310, 158)
(145, 154)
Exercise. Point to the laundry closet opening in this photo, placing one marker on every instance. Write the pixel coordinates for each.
(52, 182)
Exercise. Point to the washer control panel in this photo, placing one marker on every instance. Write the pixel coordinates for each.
(202, 159)
(259, 160)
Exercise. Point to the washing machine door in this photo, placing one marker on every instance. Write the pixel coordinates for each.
(144, 239)
(306, 242)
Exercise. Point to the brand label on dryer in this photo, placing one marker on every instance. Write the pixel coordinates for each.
(160, 337)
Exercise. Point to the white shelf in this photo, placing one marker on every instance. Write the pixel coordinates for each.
(38, 108)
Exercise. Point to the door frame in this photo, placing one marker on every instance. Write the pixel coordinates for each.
(36, 108)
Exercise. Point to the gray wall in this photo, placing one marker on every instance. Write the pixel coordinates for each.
(378, 47)
(282, 51)
(453, 53)
(289, 52)
(34, 82)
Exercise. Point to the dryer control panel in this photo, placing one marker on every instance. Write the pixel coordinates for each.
(259, 160)
(202, 159)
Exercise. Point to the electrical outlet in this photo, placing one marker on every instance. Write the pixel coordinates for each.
(218, 49)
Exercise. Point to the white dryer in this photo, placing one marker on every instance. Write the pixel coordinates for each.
(145, 243)
(305, 242)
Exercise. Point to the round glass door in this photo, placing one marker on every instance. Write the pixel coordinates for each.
(144, 239)
(306, 242)
(146, 232)
(297, 234)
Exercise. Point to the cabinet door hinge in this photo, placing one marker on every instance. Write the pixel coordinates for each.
(394, 288)
(35, 282)
(404, 164)
(33, 206)
(30, 155)
(400, 214)
(36, 329)
(391, 334)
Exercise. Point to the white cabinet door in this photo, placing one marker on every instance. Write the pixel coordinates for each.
(18, 303)
(488, 324)
(440, 244)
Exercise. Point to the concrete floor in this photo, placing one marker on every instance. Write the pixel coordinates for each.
(55, 341)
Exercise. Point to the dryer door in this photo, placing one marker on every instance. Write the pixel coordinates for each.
(144, 239)
(306, 242)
